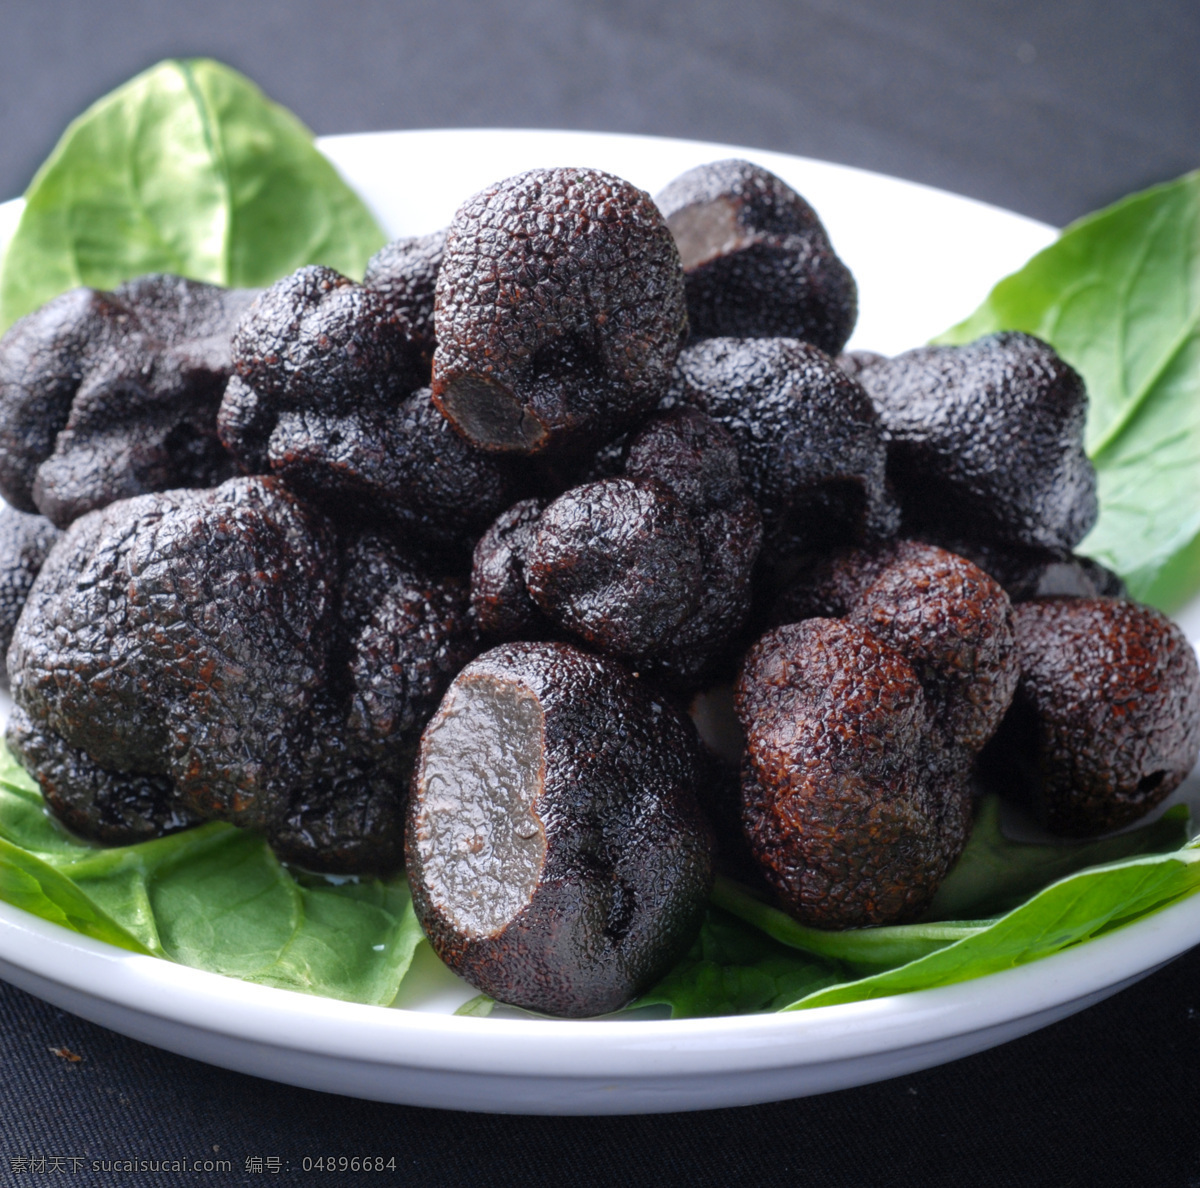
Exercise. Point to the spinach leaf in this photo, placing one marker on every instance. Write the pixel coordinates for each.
(1072, 910)
(734, 970)
(214, 897)
(1118, 296)
(994, 874)
(190, 169)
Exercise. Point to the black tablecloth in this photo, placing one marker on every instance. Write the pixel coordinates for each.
(1051, 110)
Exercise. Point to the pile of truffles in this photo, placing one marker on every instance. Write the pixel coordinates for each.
(428, 572)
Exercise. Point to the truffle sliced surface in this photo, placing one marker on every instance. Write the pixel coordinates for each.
(556, 853)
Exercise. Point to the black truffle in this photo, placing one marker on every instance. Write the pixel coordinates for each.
(105, 396)
(845, 803)
(557, 857)
(405, 272)
(655, 566)
(810, 446)
(559, 313)
(986, 441)
(757, 260)
(324, 397)
(25, 542)
(211, 654)
(1106, 719)
(949, 619)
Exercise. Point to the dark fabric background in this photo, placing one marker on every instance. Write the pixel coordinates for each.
(1051, 109)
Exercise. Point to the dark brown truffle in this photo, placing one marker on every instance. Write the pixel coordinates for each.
(211, 654)
(1106, 720)
(25, 542)
(810, 446)
(1026, 572)
(845, 804)
(757, 260)
(559, 313)
(986, 441)
(500, 604)
(557, 857)
(324, 398)
(184, 635)
(951, 621)
(400, 639)
(654, 567)
(405, 272)
(104, 396)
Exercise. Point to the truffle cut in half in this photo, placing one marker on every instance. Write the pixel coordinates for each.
(557, 855)
(757, 261)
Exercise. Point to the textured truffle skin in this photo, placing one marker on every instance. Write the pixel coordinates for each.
(844, 803)
(25, 542)
(500, 604)
(405, 272)
(104, 396)
(758, 263)
(655, 566)
(948, 618)
(986, 441)
(324, 397)
(1106, 720)
(183, 635)
(404, 467)
(559, 311)
(211, 654)
(809, 443)
(1027, 573)
(613, 853)
(400, 638)
(115, 808)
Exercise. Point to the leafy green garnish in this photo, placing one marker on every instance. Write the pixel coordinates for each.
(214, 898)
(1118, 296)
(189, 169)
(783, 965)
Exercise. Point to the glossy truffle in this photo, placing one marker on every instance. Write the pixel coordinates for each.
(25, 542)
(986, 441)
(556, 854)
(559, 313)
(500, 604)
(400, 638)
(184, 635)
(757, 260)
(654, 566)
(1106, 720)
(844, 802)
(405, 272)
(949, 619)
(403, 468)
(105, 396)
(324, 397)
(809, 443)
(214, 654)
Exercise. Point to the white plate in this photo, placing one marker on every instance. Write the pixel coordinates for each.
(923, 259)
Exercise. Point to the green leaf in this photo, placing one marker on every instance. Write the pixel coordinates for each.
(1118, 296)
(995, 874)
(189, 169)
(1068, 912)
(34, 886)
(734, 970)
(859, 948)
(214, 898)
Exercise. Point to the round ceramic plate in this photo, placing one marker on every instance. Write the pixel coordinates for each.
(923, 259)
